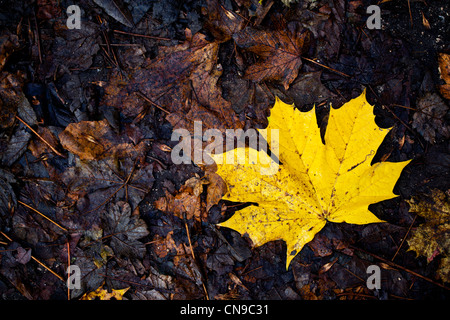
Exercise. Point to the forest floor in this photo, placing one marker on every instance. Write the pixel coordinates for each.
(87, 115)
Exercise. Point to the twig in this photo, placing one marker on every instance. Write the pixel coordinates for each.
(32, 257)
(125, 184)
(116, 62)
(404, 238)
(41, 214)
(38, 39)
(324, 66)
(120, 45)
(192, 253)
(189, 239)
(51, 271)
(68, 268)
(151, 102)
(393, 264)
(8, 238)
(39, 136)
(141, 35)
(410, 14)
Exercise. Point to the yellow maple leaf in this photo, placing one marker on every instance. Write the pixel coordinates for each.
(315, 182)
(103, 294)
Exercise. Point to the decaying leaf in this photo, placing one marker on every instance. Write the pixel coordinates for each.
(95, 140)
(308, 89)
(14, 103)
(429, 119)
(183, 81)
(73, 48)
(216, 188)
(223, 23)
(186, 203)
(8, 198)
(8, 44)
(103, 294)
(432, 238)
(316, 182)
(116, 10)
(444, 69)
(125, 229)
(279, 53)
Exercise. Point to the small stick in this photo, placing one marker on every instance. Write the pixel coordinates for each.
(410, 14)
(189, 239)
(68, 268)
(41, 214)
(151, 102)
(3, 234)
(38, 39)
(141, 35)
(52, 272)
(39, 136)
(324, 66)
(120, 45)
(404, 238)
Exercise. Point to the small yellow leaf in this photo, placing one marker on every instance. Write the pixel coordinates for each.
(103, 294)
(315, 182)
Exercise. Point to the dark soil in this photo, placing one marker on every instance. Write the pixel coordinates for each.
(52, 77)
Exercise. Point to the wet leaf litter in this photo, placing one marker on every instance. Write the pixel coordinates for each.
(87, 116)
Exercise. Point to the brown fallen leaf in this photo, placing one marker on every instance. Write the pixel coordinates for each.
(186, 204)
(429, 119)
(215, 189)
(308, 89)
(8, 44)
(222, 23)
(444, 69)
(38, 148)
(182, 80)
(14, 134)
(279, 53)
(96, 140)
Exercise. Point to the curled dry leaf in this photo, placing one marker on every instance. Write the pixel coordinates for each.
(215, 189)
